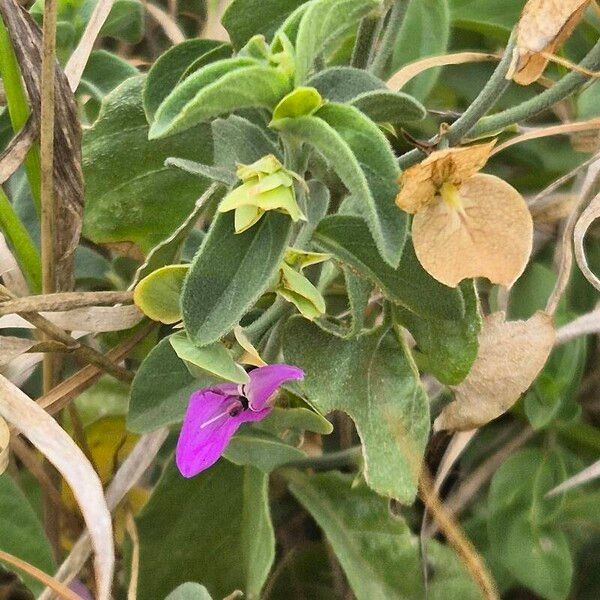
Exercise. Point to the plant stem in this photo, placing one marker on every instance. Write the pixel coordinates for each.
(350, 457)
(487, 97)
(364, 41)
(563, 88)
(389, 38)
(257, 329)
(18, 110)
(25, 251)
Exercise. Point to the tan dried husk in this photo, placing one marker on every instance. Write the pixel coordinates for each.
(511, 354)
(490, 237)
(543, 27)
(26, 38)
(420, 183)
(4, 445)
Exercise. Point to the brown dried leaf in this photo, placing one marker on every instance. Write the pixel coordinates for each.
(421, 182)
(26, 39)
(490, 237)
(543, 27)
(511, 354)
(4, 445)
(11, 347)
(54, 443)
(588, 216)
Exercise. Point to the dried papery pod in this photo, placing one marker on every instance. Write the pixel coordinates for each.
(543, 27)
(421, 182)
(466, 224)
(490, 235)
(511, 354)
(26, 39)
(4, 445)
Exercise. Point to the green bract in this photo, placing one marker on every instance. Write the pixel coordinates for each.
(266, 186)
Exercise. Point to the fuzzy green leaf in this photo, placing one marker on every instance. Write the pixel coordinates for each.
(348, 239)
(373, 379)
(224, 512)
(229, 274)
(385, 106)
(157, 295)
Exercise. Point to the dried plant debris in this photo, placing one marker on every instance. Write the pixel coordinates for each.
(466, 224)
(26, 39)
(511, 354)
(4, 445)
(543, 27)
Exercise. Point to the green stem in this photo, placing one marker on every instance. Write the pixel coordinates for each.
(364, 42)
(351, 457)
(389, 38)
(25, 251)
(18, 110)
(487, 97)
(259, 327)
(561, 90)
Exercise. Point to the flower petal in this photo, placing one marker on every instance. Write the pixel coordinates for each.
(265, 381)
(491, 238)
(201, 442)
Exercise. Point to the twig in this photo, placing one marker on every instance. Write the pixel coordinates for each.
(583, 325)
(70, 388)
(62, 590)
(135, 556)
(456, 538)
(64, 301)
(456, 503)
(166, 22)
(80, 55)
(127, 476)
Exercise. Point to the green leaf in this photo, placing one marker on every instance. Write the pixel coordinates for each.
(372, 379)
(218, 88)
(348, 239)
(167, 250)
(384, 106)
(214, 528)
(130, 194)
(485, 16)
(125, 21)
(22, 532)
(261, 450)
(280, 420)
(321, 28)
(189, 591)
(214, 359)
(362, 157)
(103, 73)
(425, 32)
(170, 68)
(342, 84)
(244, 19)
(160, 390)
(229, 274)
(523, 524)
(157, 295)
(446, 348)
(376, 550)
(301, 101)
(239, 141)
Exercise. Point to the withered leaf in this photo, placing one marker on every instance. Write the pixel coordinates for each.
(420, 183)
(511, 354)
(26, 38)
(4, 445)
(11, 347)
(53, 442)
(491, 236)
(542, 28)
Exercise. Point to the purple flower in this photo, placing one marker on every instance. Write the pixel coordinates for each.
(214, 415)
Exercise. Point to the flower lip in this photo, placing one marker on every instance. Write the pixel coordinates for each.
(214, 414)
